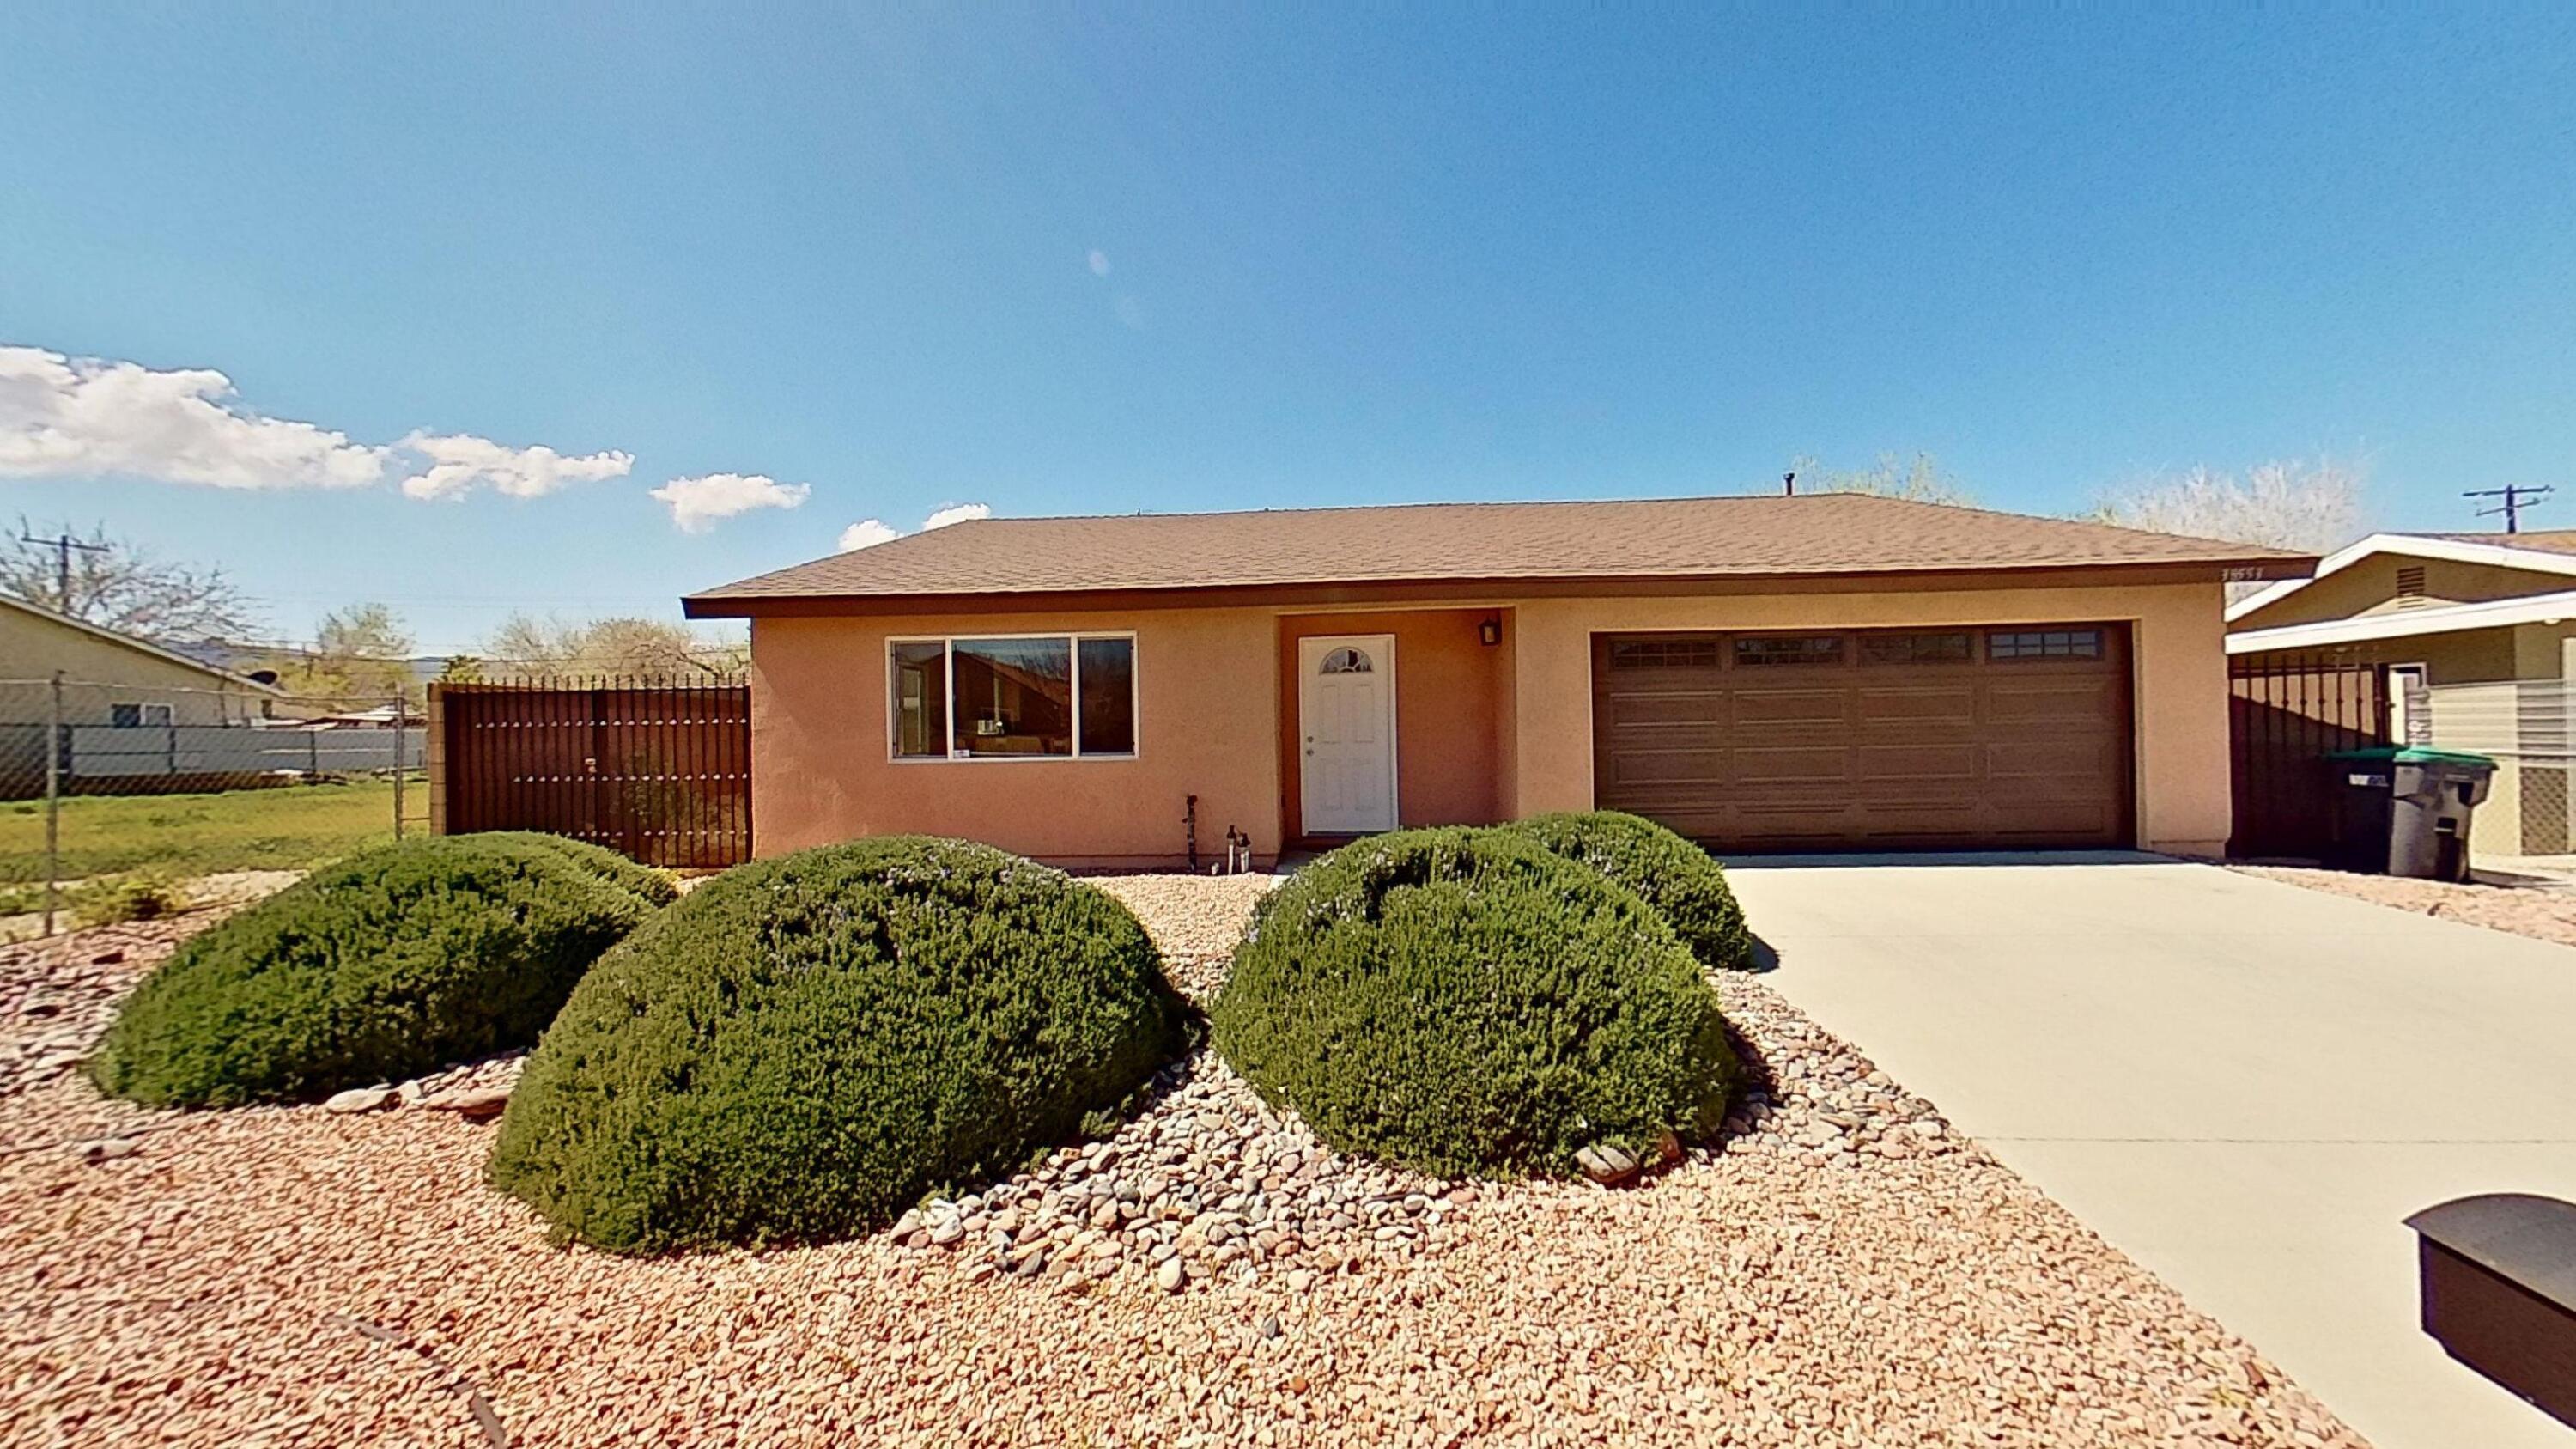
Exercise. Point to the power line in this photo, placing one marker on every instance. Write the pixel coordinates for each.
(2516, 496)
(62, 547)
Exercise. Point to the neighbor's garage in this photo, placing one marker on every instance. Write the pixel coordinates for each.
(2007, 735)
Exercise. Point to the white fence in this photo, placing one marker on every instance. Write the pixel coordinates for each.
(98, 752)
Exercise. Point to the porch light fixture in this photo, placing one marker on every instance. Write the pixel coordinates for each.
(1491, 631)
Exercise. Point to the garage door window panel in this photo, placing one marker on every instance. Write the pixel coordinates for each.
(1885, 649)
(2044, 644)
(1664, 654)
(1785, 652)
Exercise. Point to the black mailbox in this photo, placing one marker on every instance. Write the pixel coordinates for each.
(2499, 1284)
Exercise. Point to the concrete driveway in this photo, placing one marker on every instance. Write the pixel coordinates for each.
(2242, 1084)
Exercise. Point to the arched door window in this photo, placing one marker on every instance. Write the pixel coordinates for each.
(1345, 661)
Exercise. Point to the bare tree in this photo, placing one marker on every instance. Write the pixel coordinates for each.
(1919, 478)
(116, 585)
(361, 656)
(2315, 505)
(527, 647)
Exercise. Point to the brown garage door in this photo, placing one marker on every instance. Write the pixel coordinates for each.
(2006, 735)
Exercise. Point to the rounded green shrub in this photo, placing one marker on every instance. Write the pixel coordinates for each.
(1674, 876)
(596, 860)
(1463, 1002)
(392, 963)
(804, 1046)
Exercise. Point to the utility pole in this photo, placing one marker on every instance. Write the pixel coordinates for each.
(62, 546)
(2516, 496)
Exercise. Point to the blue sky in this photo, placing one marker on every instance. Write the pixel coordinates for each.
(1109, 258)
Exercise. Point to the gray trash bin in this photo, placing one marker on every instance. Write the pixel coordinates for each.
(2406, 810)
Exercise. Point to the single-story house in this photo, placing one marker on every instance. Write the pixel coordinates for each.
(1824, 672)
(2476, 636)
(2441, 608)
(112, 680)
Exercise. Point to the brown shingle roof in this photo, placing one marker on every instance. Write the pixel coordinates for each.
(2545, 540)
(1677, 538)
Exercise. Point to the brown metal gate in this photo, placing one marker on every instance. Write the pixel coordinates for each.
(2283, 717)
(659, 773)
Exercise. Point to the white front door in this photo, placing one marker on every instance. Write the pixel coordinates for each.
(1346, 715)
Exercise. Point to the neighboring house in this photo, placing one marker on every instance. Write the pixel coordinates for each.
(113, 680)
(1829, 672)
(244, 658)
(2476, 633)
(2465, 607)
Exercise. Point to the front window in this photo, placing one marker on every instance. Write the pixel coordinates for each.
(138, 716)
(920, 700)
(1033, 697)
(1108, 695)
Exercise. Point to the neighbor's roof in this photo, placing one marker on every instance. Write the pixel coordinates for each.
(1657, 539)
(2548, 608)
(2549, 551)
(2546, 540)
(139, 645)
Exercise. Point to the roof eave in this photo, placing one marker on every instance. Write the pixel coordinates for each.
(2251, 568)
(2407, 623)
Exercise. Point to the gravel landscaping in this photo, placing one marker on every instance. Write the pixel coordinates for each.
(1843, 1270)
(2546, 913)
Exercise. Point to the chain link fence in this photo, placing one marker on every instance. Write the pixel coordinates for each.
(166, 796)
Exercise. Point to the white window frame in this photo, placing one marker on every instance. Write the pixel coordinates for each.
(143, 715)
(2401, 701)
(948, 673)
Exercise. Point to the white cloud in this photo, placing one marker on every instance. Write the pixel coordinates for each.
(459, 463)
(698, 503)
(1099, 262)
(868, 533)
(66, 417)
(89, 417)
(949, 513)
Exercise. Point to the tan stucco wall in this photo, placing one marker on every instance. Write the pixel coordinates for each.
(2180, 697)
(2463, 656)
(1483, 733)
(1206, 724)
(1449, 712)
(33, 648)
(2370, 587)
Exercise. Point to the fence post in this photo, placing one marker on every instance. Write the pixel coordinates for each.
(53, 797)
(401, 726)
(433, 755)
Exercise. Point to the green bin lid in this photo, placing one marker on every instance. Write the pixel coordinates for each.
(2410, 755)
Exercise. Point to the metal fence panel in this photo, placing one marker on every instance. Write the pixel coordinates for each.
(659, 772)
(2284, 717)
(114, 751)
